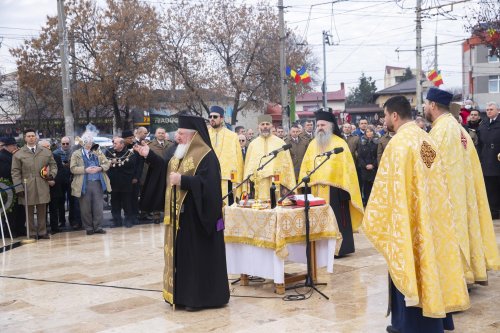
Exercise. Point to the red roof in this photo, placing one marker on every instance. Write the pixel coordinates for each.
(338, 95)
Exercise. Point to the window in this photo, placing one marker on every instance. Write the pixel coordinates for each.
(494, 84)
(492, 58)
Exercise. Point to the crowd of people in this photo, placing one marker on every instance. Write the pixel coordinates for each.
(73, 179)
(423, 190)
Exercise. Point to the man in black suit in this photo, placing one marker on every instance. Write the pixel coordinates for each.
(489, 154)
(243, 144)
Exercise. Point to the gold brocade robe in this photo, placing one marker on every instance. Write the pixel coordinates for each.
(339, 172)
(227, 147)
(195, 153)
(408, 220)
(282, 163)
(471, 214)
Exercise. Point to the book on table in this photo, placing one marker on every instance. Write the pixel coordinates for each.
(299, 200)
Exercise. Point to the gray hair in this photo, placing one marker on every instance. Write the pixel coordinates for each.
(495, 104)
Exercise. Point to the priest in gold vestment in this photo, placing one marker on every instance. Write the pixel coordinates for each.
(408, 220)
(336, 181)
(227, 147)
(282, 165)
(195, 275)
(472, 217)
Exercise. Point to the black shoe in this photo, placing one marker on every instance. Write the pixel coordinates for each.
(76, 226)
(156, 221)
(90, 232)
(192, 309)
(54, 231)
(46, 236)
(391, 329)
(100, 231)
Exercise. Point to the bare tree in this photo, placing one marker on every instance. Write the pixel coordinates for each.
(228, 48)
(484, 23)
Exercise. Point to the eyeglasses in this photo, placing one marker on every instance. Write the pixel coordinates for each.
(213, 116)
(65, 144)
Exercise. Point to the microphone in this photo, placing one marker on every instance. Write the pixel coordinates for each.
(276, 151)
(337, 150)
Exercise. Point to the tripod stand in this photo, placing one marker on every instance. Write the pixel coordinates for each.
(309, 282)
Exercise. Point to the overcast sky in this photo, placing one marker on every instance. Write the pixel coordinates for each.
(366, 34)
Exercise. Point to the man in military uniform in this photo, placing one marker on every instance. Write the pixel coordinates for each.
(298, 149)
(308, 130)
(382, 144)
(37, 165)
(352, 140)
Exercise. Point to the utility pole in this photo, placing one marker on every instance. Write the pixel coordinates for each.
(419, 57)
(283, 83)
(69, 122)
(323, 87)
(436, 52)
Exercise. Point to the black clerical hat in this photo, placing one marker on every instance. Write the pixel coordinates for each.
(324, 115)
(195, 123)
(328, 116)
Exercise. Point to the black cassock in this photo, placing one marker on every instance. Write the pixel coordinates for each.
(201, 274)
(339, 200)
(153, 190)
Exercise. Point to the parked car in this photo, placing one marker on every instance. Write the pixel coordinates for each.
(103, 141)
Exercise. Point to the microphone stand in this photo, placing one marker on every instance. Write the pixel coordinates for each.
(237, 186)
(174, 240)
(245, 180)
(309, 282)
(250, 175)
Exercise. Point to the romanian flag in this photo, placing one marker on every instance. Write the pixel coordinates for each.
(300, 75)
(304, 75)
(435, 77)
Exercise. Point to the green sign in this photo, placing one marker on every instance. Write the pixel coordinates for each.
(166, 120)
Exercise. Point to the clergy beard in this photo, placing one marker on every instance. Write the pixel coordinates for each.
(180, 151)
(265, 133)
(323, 137)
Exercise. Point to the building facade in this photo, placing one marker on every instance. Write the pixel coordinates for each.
(481, 73)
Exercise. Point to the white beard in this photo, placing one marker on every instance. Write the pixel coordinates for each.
(180, 151)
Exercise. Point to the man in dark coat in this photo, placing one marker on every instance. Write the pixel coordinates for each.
(121, 175)
(152, 197)
(195, 273)
(56, 192)
(64, 175)
(489, 154)
(16, 215)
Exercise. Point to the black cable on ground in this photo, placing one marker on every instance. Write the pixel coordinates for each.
(110, 286)
(76, 283)
(299, 296)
